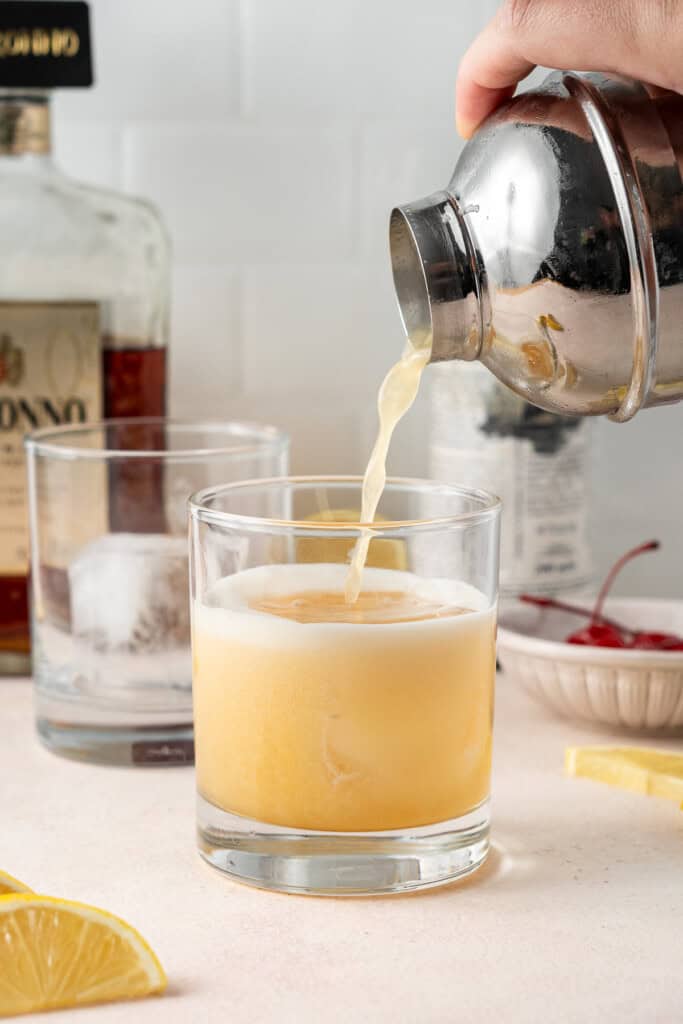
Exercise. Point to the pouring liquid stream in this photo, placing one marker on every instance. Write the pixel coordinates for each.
(396, 395)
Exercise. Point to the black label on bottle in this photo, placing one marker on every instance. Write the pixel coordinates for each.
(547, 432)
(44, 44)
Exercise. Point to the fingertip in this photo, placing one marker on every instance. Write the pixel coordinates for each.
(475, 104)
(487, 76)
(464, 127)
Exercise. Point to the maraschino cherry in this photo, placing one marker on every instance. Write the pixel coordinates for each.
(597, 634)
(604, 632)
(657, 642)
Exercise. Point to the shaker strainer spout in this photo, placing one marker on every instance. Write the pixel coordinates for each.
(435, 277)
(555, 255)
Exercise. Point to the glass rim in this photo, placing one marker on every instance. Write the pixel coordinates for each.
(262, 437)
(200, 510)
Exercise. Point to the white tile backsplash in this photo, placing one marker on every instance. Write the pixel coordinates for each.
(242, 191)
(325, 429)
(276, 136)
(161, 59)
(90, 151)
(205, 341)
(332, 328)
(356, 57)
(399, 161)
(405, 55)
(639, 497)
(295, 56)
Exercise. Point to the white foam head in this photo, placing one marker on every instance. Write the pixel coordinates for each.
(227, 607)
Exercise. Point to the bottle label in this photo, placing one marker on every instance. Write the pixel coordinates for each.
(485, 436)
(544, 529)
(50, 374)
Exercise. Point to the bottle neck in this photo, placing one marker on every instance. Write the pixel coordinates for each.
(25, 123)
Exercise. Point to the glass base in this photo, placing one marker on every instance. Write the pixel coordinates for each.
(342, 863)
(139, 746)
(116, 709)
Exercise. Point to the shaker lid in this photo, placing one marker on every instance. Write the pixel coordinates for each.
(45, 44)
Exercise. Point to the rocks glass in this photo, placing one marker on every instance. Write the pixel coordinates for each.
(109, 578)
(343, 748)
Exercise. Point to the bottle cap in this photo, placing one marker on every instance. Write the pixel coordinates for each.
(44, 45)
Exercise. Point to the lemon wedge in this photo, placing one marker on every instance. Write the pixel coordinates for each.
(652, 772)
(56, 953)
(382, 553)
(10, 884)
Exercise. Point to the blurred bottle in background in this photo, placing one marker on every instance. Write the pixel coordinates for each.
(84, 290)
(484, 435)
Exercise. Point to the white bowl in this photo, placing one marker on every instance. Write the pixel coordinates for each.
(641, 690)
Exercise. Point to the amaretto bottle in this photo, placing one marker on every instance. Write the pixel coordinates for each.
(84, 285)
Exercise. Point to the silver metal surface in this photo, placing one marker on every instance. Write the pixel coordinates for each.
(555, 256)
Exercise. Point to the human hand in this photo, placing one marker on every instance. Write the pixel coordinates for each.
(639, 38)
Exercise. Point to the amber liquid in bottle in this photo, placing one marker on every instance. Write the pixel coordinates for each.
(134, 386)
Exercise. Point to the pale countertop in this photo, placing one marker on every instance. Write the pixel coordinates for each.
(577, 917)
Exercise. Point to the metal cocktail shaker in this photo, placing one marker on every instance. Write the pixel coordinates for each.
(555, 256)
